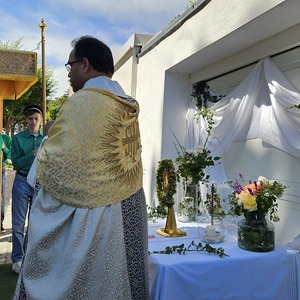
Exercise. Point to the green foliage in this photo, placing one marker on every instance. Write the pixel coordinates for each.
(186, 207)
(156, 212)
(193, 247)
(166, 182)
(267, 198)
(192, 164)
(295, 106)
(53, 106)
(202, 96)
(15, 45)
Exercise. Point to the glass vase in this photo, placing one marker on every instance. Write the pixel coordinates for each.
(213, 231)
(256, 233)
(188, 205)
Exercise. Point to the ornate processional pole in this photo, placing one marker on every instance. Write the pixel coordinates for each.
(43, 26)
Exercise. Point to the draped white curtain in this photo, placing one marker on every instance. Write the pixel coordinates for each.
(257, 108)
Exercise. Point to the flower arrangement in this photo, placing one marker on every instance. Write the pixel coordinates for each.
(259, 196)
(191, 164)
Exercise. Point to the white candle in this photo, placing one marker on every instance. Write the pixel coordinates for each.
(211, 231)
(224, 191)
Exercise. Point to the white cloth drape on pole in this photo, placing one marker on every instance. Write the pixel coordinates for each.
(258, 108)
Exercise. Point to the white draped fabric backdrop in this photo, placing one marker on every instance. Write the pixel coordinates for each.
(258, 108)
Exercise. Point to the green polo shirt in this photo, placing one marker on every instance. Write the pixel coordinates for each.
(6, 139)
(23, 144)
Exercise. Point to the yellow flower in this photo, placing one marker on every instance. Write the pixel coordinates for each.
(248, 200)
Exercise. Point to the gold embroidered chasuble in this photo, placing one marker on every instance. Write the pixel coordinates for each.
(93, 154)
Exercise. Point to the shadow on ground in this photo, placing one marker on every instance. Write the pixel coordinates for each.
(8, 281)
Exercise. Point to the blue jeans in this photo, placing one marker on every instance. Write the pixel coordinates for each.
(3, 195)
(21, 199)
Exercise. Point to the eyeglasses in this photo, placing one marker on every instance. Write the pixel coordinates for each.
(69, 64)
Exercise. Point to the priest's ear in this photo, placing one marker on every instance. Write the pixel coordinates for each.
(86, 64)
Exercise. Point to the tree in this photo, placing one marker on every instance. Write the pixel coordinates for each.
(53, 106)
(17, 45)
(13, 110)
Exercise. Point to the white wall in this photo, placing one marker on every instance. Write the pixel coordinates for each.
(225, 35)
(277, 43)
(125, 75)
(126, 62)
(202, 41)
(150, 95)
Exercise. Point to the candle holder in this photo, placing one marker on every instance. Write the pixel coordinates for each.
(212, 229)
(212, 233)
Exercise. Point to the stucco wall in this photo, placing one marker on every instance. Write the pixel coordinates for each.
(203, 40)
(124, 75)
(223, 36)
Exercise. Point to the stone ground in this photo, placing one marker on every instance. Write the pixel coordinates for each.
(5, 237)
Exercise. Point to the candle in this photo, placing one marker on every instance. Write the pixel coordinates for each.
(224, 192)
(210, 231)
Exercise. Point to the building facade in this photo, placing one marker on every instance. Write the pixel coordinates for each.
(219, 42)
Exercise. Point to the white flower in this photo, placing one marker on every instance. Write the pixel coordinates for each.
(189, 151)
(263, 179)
(189, 180)
(199, 150)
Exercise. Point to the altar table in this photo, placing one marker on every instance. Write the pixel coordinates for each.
(244, 275)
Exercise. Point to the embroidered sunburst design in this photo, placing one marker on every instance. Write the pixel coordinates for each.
(81, 166)
(122, 146)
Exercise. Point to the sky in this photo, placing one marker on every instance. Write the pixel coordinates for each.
(113, 22)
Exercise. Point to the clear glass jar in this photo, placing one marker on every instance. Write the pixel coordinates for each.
(188, 204)
(256, 233)
(212, 230)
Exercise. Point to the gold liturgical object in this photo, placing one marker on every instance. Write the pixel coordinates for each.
(170, 229)
(166, 188)
(18, 72)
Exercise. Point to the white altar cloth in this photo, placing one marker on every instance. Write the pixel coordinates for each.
(243, 275)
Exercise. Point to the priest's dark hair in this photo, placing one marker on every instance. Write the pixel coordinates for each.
(98, 53)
